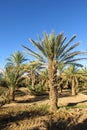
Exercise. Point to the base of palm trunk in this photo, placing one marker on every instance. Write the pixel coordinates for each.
(73, 92)
(53, 99)
(11, 95)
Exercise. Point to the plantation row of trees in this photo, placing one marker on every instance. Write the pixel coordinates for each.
(56, 67)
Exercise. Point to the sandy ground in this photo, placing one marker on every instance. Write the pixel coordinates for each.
(64, 100)
(79, 113)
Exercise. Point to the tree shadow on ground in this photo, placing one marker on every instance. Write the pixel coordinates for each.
(11, 117)
(19, 93)
(65, 93)
(80, 126)
(35, 99)
(74, 104)
(52, 123)
(64, 125)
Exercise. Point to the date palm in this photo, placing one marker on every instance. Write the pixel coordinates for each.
(43, 78)
(16, 59)
(1, 73)
(53, 51)
(72, 75)
(83, 77)
(31, 70)
(14, 72)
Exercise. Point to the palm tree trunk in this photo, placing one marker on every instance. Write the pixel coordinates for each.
(53, 98)
(33, 79)
(77, 89)
(11, 94)
(53, 94)
(73, 87)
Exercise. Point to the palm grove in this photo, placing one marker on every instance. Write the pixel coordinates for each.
(56, 66)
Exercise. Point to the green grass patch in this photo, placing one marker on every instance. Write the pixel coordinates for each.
(84, 93)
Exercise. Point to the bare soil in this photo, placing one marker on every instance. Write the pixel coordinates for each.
(32, 113)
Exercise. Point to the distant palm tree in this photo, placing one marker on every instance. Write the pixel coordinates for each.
(31, 70)
(54, 52)
(1, 73)
(61, 76)
(72, 75)
(83, 77)
(84, 71)
(14, 72)
(16, 59)
(43, 78)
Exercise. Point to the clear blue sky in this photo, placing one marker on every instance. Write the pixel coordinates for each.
(24, 19)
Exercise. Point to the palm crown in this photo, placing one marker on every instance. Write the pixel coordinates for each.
(54, 48)
(16, 59)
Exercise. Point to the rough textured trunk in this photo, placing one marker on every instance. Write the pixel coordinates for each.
(60, 88)
(53, 95)
(11, 94)
(77, 89)
(73, 87)
(53, 98)
(33, 80)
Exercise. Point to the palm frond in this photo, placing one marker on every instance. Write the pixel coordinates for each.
(72, 55)
(39, 46)
(33, 53)
(63, 47)
(69, 49)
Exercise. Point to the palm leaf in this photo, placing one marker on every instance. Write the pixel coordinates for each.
(34, 53)
(62, 48)
(69, 49)
(39, 46)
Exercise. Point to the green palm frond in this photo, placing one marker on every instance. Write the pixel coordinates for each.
(69, 49)
(62, 47)
(15, 59)
(71, 55)
(54, 48)
(34, 54)
(39, 46)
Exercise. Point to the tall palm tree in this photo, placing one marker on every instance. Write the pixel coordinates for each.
(14, 72)
(54, 51)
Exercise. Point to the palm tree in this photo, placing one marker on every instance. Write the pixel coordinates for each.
(16, 59)
(14, 72)
(31, 70)
(83, 77)
(61, 77)
(12, 79)
(53, 52)
(72, 75)
(1, 73)
(43, 79)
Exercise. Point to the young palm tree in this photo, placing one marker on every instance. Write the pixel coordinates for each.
(54, 51)
(31, 70)
(44, 78)
(13, 79)
(14, 72)
(1, 73)
(83, 77)
(72, 75)
(16, 59)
